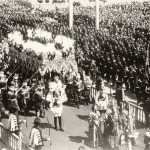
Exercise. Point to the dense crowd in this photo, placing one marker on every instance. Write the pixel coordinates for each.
(118, 49)
(116, 52)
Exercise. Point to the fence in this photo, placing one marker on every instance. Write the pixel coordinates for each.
(10, 139)
(137, 111)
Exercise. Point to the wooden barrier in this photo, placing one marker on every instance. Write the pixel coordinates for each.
(10, 139)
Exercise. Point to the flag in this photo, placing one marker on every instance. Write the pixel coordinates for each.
(147, 67)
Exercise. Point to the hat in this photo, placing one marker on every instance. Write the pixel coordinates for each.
(37, 121)
(16, 76)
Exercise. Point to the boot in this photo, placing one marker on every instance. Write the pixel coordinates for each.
(55, 123)
(60, 124)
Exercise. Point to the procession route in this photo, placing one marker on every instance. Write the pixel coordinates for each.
(75, 124)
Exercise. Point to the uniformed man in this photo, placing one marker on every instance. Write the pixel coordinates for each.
(36, 139)
(101, 101)
(16, 82)
(12, 97)
(39, 101)
(87, 86)
(57, 108)
(120, 94)
(14, 121)
(24, 97)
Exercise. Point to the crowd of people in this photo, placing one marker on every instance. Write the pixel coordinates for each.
(117, 52)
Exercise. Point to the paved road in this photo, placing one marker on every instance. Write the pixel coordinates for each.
(76, 129)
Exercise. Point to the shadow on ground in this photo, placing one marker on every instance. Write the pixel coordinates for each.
(80, 139)
(45, 125)
(83, 117)
(30, 114)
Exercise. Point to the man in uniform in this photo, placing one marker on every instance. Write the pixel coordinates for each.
(14, 121)
(24, 97)
(101, 101)
(57, 108)
(36, 139)
(39, 101)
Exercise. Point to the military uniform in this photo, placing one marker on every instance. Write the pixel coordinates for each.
(57, 108)
(13, 121)
(36, 139)
(39, 101)
(23, 97)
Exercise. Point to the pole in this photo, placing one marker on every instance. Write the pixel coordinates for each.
(97, 14)
(70, 14)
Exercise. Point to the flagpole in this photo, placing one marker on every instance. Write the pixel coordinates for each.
(70, 14)
(97, 14)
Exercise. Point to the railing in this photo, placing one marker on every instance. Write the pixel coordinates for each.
(10, 139)
(137, 111)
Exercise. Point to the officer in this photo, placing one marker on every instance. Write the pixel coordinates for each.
(57, 108)
(16, 82)
(36, 139)
(39, 101)
(12, 97)
(101, 101)
(24, 97)
(120, 94)
(87, 86)
(14, 122)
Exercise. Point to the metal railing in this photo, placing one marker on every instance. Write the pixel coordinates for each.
(137, 111)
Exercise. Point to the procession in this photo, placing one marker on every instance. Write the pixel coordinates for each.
(49, 71)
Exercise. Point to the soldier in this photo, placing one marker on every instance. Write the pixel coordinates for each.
(57, 108)
(39, 101)
(87, 86)
(101, 101)
(24, 97)
(12, 97)
(3, 87)
(36, 139)
(14, 122)
(120, 94)
(16, 82)
(79, 86)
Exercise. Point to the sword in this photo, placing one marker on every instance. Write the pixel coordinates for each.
(49, 130)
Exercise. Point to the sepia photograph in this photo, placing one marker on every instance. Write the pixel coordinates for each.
(74, 74)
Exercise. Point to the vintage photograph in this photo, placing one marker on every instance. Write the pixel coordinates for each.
(74, 75)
